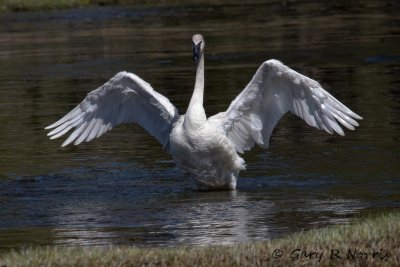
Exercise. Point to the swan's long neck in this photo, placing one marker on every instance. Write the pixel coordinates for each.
(195, 115)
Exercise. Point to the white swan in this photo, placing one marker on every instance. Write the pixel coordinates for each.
(207, 148)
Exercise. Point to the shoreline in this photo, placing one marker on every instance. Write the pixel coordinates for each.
(370, 241)
(19, 6)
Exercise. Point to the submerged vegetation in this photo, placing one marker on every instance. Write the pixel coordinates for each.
(374, 241)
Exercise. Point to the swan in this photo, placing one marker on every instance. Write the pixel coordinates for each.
(207, 149)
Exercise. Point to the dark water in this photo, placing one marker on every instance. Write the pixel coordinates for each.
(124, 189)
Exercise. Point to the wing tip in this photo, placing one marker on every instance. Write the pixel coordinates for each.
(51, 126)
(352, 114)
(66, 143)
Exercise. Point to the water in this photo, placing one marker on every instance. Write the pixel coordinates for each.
(124, 189)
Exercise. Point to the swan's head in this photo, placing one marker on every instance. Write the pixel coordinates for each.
(198, 46)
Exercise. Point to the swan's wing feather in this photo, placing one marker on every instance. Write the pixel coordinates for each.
(125, 98)
(275, 90)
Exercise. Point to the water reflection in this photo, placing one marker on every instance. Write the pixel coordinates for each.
(216, 217)
(124, 189)
(125, 205)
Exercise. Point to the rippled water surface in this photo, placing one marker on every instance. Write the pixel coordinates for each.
(124, 189)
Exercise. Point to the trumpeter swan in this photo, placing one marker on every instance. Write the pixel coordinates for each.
(207, 148)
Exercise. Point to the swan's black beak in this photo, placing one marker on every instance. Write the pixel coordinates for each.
(196, 51)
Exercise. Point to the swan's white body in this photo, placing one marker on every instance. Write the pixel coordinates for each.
(207, 148)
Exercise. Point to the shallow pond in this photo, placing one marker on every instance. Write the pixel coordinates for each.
(124, 189)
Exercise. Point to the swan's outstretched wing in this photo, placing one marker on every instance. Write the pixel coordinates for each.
(274, 90)
(125, 98)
